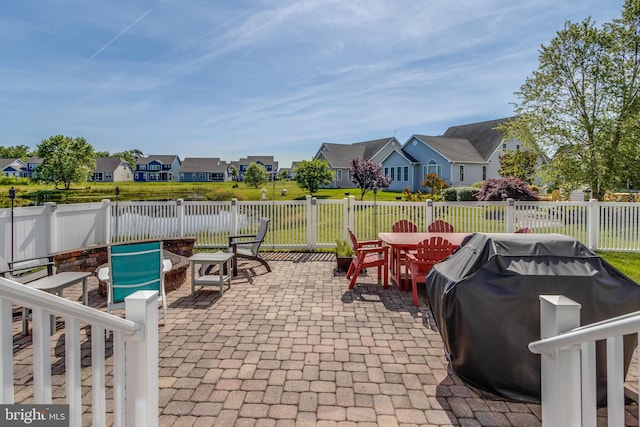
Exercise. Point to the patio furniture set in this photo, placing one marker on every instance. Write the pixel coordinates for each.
(137, 266)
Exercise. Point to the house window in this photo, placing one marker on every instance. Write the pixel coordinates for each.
(399, 172)
(154, 167)
(484, 173)
(108, 175)
(181, 176)
(339, 175)
(461, 173)
(153, 177)
(518, 147)
(386, 171)
(504, 145)
(142, 167)
(406, 173)
(97, 176)
(393, 174)
(201, 176)
(433, 167)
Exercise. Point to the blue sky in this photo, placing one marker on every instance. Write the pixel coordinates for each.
(228, 79)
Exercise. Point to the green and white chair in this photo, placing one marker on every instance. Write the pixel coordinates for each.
(134, 267)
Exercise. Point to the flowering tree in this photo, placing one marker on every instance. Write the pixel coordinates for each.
(367, 176)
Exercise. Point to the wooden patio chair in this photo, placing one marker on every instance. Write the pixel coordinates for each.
(429, 252)
(248, 246)
(440, 226)
(368, 253)
(404, 226)
(134, 267)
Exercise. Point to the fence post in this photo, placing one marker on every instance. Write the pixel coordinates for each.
(53, 234)
(308, 208)
(344, 235)
(560, 371)
(352, 216)
(141, 379)
(234, 217)
(593, 223)
(106, 208)
(510, 216)
(313, 224)
(428, 213)
(180, 216)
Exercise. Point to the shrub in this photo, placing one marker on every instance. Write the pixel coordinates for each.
(467, 194)
(499, 189)
(449, 194)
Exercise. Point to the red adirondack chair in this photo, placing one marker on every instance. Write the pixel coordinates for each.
(524, 231)
(368, 253)
(404, 226)
(440, 226)
(430, 252)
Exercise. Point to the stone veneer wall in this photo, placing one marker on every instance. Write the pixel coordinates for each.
(88, 259)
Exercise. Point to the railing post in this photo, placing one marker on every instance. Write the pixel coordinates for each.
(510, 216)
(53, 235)
(234, 217)
(560, 371)
(352, 217)
(6, 349)
(180, 216)
(428, 213)
(313, 222)
(593, 223)
(106, 208)
(141, 380)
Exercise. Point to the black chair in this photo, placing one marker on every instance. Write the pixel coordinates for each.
(248, 245)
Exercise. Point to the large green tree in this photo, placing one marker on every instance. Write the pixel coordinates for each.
(65, 160)
(256, 175)
(519, 164)
(313, 174)
(582, 104)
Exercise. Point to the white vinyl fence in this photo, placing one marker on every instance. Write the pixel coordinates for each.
(309, 224)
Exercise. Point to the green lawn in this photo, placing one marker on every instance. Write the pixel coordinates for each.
(627, 262)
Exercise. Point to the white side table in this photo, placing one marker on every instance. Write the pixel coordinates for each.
(224, 262)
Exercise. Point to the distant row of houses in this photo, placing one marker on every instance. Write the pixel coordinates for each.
(462, 156)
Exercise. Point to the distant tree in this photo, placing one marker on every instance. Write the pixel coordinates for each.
(434, 182)
(519, 164)
(283, 175)
(367, 176)
(256, 175)
(102, 154)
(65, 160)
(129, 156)
(18, 152)
(313, 174)
(233, 171)
(501, 189)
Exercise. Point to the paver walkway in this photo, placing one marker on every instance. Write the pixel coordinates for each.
(296, 347)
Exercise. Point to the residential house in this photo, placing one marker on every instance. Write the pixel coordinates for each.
(112, 169)
(157, 168)
(197, 169)
(463, 155)
(14, 168)
(270, 165)
(339, 157)
(32, 164)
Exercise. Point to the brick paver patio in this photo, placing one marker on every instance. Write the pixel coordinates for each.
(296, 347)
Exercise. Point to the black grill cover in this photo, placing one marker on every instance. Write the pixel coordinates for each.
(485, 301)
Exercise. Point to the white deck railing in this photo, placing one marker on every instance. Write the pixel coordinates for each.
(135, 353)
(568, 358)
(308, 224)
